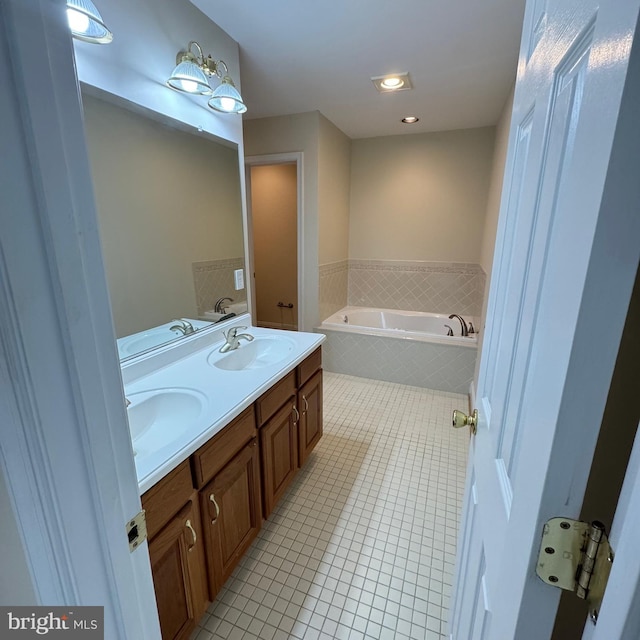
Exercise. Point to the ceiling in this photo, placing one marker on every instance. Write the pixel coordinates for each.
(320, 55)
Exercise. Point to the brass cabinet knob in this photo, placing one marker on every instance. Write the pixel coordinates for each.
(463, 420)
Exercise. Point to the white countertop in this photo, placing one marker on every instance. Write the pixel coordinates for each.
(190, 365)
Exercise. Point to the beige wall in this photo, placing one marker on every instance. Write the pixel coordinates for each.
(334, 179)
(284, 134)
(420, 197)
(165, 199)
(274, 215)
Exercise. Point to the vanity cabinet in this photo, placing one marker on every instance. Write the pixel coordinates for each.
(290, 422)
(310, 426)
(177, 553)
(203, 516)
(227, 472)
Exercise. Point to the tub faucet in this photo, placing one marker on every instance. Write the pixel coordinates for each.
(218, 308)
(463, 324)
(233, 338)
(182, 326)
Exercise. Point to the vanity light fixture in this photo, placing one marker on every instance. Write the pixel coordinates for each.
(86, 23)
(392, 82)
(410, 119)
(191, 76)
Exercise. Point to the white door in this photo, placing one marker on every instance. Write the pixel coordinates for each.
(566, 256)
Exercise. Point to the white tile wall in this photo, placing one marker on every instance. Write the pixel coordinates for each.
(421, 364)
(333, 287)
(436, 287)
(363, 543)
(213, 279)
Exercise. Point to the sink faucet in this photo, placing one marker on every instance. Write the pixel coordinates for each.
(218, 308)
(233, 338)
(463, 324)
(182, 326)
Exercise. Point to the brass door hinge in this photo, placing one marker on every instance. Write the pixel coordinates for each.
(137, 530)
(576, 556)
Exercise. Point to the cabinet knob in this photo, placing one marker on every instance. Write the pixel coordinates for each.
(295, 410)
(306, 404)
(212, 499)
(193, 533)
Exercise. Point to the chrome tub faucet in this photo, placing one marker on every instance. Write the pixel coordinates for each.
(463, 324)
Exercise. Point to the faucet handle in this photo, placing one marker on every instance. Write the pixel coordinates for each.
(233, 332)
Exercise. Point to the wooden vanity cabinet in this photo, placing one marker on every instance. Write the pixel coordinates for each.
(177, 553)
(232, 514)
(227, 472)
(202, 517)
(290, 422)
(310, 406)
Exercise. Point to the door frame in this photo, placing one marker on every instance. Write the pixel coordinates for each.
(297, 158)
(65, 448)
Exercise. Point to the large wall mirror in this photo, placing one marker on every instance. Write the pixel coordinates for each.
(170, 216)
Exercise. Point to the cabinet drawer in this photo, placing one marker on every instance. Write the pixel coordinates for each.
(268, 403)
(214, 455)
(167, 497)
(309, 366)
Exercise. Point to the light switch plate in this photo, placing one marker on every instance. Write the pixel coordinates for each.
(238, 277)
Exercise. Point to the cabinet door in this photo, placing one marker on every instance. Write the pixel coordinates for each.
(232, 514)
(279, 446)
(177, 564)
(310, 403)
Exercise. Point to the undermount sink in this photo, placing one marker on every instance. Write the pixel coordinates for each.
(260, 353)
(160, 416)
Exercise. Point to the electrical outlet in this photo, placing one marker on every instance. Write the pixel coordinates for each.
(238, 277)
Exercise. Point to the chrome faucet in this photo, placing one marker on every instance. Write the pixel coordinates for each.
(182, 326)
(218, 308)
(463, 324)
(233, 338)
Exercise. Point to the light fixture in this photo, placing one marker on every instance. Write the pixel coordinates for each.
(191, 76)
(85, 22)
(410, 120)
(392, 82)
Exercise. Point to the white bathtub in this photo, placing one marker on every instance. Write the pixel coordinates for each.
(409, 325)
(407, 347)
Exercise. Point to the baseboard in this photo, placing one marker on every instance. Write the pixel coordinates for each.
(277, 325)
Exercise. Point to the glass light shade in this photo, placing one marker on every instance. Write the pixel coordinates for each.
(226, 98)
(85, 22)
(190, 78)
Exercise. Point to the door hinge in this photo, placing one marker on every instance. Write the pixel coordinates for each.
(137, 530)
(576, 556)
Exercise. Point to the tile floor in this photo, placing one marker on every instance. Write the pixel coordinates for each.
(363, 543)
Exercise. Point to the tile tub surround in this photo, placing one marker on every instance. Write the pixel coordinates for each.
(418, 363)
(435, 287)
(213, 279)
(363, 543)
(334, 281)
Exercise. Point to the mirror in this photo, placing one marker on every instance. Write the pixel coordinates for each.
(170, 218)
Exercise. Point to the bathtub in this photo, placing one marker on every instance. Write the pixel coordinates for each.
(407, 347)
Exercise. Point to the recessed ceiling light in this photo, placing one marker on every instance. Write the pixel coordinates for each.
(392, 82)
(410, 119)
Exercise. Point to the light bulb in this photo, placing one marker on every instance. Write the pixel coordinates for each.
(392, 83)
(190, 86)
(78, 22)
(227, 104)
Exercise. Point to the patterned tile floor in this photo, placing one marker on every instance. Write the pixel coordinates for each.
(363, 543)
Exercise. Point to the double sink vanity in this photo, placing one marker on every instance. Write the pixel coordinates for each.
(218, 437)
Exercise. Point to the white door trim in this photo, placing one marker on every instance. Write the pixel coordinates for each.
(65, 449)
(296, 157)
